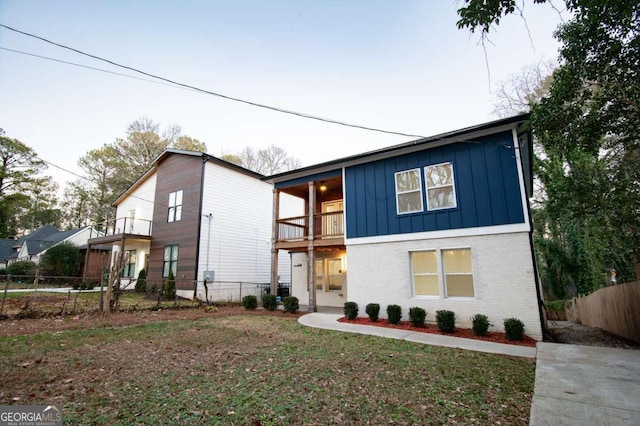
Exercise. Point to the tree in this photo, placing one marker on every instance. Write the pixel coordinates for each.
(61, 260)
(22, 192)
(187, 143)
(586, 127)
(268, 161)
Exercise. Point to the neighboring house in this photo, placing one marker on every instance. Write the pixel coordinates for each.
(34, 245)
(439, 223)
(199, 217)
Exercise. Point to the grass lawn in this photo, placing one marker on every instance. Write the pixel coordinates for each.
(266, 370)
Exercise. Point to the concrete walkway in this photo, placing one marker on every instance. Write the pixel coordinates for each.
(574, 385)
(330, 322)
(586, 385)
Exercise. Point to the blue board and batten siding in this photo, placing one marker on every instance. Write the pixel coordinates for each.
(486, 184)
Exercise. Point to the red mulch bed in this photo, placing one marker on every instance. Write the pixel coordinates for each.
(459, 332)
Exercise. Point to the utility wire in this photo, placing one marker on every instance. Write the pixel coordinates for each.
(91, 68)
(220, 95)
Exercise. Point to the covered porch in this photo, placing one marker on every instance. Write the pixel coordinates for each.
(314, 237)
(129, 236)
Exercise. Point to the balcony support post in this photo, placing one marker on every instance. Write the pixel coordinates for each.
(311, 264)
(275, 214)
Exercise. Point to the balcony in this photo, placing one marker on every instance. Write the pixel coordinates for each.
(293, 232)
(124, 228)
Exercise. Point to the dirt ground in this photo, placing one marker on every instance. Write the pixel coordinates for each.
(578, 334)
(14, 327)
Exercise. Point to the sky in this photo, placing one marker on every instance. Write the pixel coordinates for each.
(396, 65)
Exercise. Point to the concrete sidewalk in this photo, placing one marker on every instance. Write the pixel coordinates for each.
(574, 385)
(330, 322)
(586, 385)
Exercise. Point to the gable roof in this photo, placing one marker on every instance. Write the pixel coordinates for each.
(172, 151)
(461, 135)
(6, 248)
(40, 240)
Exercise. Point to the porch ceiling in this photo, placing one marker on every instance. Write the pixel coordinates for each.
(334, 187)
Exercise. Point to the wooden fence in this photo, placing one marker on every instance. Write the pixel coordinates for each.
(615, 309)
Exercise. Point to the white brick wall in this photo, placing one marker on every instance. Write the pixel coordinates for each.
(502, 271)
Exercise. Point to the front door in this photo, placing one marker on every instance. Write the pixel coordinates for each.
(332, 224)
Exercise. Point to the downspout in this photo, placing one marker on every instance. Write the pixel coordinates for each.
(198, 232)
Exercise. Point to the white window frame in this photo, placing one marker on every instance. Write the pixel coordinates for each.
(398, 193)
(174, 209)
(172, 262)
(437, 274)
(441, 273)
(452, 185)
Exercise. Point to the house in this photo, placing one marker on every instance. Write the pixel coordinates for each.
(201, 218)
(33, 246)
(439, 223)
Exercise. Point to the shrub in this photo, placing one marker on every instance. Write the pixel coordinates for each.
(141, 283)
(417, 316)
(480, 324)
(169, 291)
(351, 310)
(446, 321)
(61, 260)
(555, 305)
(394, 313)
(269, 302)
(514, 329)
(291, 304)
(22, 267)
(250, 302)
(373, 310)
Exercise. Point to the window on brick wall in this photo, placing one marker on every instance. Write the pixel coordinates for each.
(458, 275)
(455, 280)
(424, 268)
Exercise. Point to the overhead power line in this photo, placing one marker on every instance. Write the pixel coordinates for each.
(91, 68)
(208, 92)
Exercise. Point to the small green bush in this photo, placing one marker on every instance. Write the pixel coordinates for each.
(141, 283)
(514, 329)
(351, 310)
(417, 316)
(291, 304)
(394, 313)
(269, 302)
(250, 302)
(480, 324)
(169, 290)
(446, 321)
(555, 305)
(84, 285)
(22, 267)
(373, 310)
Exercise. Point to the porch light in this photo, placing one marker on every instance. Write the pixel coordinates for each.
(323, 187)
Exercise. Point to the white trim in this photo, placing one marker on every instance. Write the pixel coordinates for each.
(523, 191)
(450, 233)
